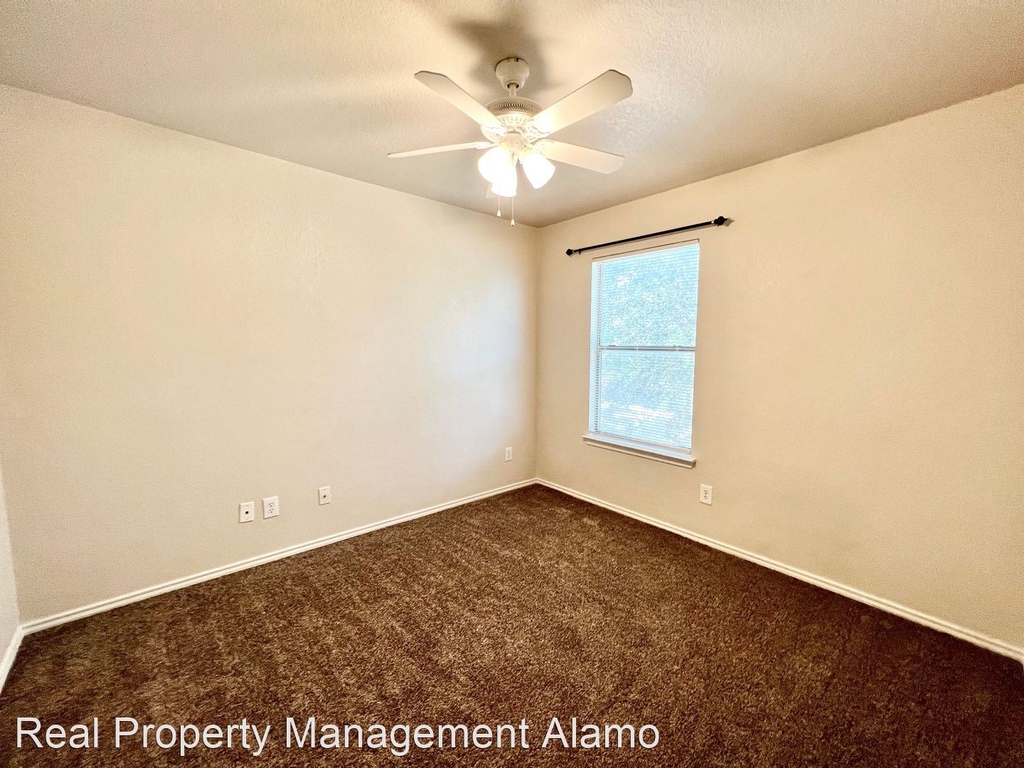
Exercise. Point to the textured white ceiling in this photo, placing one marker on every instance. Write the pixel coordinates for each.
(718, 84)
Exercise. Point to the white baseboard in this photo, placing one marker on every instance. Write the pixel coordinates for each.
(10, 654)
(882, 603)
(186, 581)
(133, 597)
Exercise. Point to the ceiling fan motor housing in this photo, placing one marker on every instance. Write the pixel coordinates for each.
(513, 112)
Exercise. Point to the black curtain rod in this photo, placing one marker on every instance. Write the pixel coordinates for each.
(713, 223)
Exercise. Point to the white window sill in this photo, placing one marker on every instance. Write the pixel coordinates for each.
(644, 450)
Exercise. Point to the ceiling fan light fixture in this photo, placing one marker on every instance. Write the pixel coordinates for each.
(517, 129)
(495, 163)
(507, 184)
(538, 169)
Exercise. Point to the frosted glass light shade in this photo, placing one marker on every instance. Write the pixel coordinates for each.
(495, 163)
(506, 185)
(538, 169)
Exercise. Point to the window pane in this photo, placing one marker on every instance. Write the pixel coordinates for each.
(646, 396)
(649, 300)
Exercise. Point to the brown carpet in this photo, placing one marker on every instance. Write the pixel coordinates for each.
(527, 605)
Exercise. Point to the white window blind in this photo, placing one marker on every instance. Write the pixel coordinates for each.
(643, 345)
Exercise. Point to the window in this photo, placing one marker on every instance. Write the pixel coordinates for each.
(643, 340)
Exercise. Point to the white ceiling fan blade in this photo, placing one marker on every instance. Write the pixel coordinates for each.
(489, 195)
(591, 159)
(445, 148)
(458, 98)
(601, 92)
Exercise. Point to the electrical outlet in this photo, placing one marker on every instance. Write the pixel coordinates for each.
(508, 454)
(247, 512)
(324, 495)
(271, 508)
(705, 494)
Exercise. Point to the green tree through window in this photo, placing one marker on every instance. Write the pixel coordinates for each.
(643, 346)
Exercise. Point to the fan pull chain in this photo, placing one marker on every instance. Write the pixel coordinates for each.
(512, 212)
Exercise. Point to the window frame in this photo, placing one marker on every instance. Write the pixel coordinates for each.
(655, 451)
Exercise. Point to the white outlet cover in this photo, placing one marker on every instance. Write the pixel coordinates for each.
(324, 494)
(247, 511)
(271, 508)
(705, 494)
(508, 454)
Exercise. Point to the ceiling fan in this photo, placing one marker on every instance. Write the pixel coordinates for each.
(517, 129)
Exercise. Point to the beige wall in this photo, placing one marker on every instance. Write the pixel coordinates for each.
(860, 363)
(9, 618)
(185, 326)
